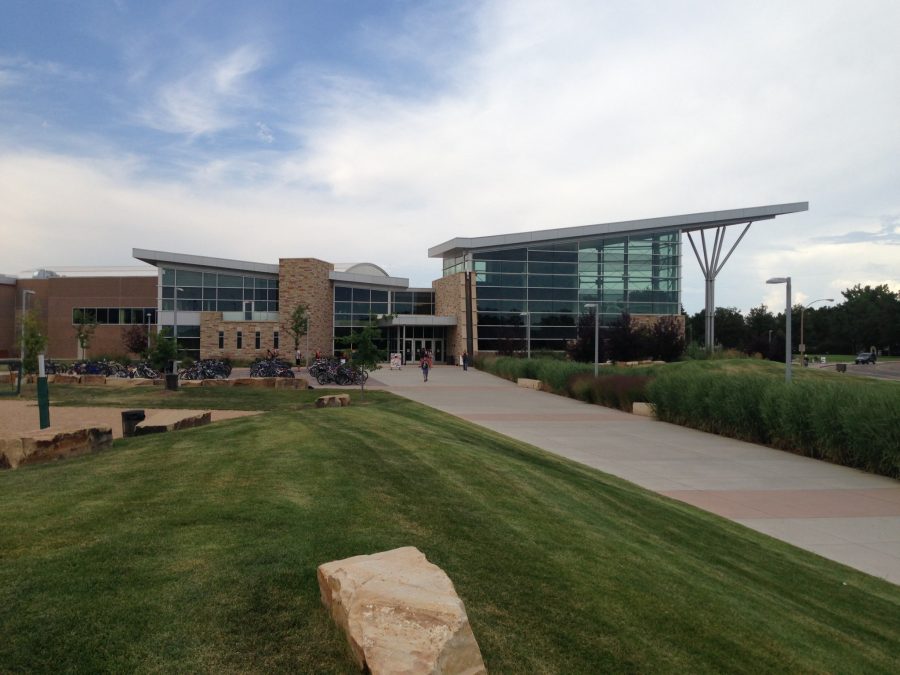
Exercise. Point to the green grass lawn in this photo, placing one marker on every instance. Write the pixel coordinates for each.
(197, 551)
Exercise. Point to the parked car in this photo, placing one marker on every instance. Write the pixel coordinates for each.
(865, 357)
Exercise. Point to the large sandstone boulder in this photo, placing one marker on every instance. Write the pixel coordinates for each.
(46, 446)
(172, 420)
(401, 614)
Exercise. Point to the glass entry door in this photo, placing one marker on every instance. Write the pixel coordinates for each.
(414, 348)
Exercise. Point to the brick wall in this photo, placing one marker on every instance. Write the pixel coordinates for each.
(450, 300)
(8, 320)
(55, 299)
(305, 280)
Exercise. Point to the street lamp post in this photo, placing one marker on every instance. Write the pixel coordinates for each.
(787, 320)
(802, 314)
(527, 316)
(596, 308)
(175, 320)
(148, 330)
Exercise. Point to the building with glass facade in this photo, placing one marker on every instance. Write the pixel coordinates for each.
(496, 293)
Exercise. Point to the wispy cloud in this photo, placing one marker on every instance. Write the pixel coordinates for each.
(264, 133)
(208, 98)
(887, 233)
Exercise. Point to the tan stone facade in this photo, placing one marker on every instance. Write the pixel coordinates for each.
(305, 280)
(211, 324)
(450, 300)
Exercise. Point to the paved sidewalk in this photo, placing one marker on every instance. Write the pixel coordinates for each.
(842, 514)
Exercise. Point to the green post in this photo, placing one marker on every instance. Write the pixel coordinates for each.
(43, 393)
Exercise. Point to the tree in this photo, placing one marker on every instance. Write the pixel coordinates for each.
(666, 339)
(134, 339)
(582, 349)
(33, 337)
(298, 326)
(162, 349)
(870, 317)
(366, 354)
(627, 341)
(85, 324)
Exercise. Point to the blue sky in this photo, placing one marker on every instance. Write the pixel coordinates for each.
(355, 131)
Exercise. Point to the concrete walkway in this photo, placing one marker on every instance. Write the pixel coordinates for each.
(842, 514)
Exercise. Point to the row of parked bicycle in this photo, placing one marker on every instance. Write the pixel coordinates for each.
(102, 367)
(327, 371)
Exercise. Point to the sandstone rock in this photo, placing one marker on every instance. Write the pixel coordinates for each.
(258, 382)
(172, 420)
(291, 383)
(67, 379)
(45, 446)
(401, 614)
(333, 401)
(643, 409)
(217, 383)
(93, 379)
(529, 384)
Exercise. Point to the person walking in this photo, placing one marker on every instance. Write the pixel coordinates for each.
(425, 366)
(465, 360)
(297, 358)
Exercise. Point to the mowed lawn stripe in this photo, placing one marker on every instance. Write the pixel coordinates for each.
(197, 550)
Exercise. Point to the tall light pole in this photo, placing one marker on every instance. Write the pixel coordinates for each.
(596, 308)
(787, 321)
(175, 320)
(148, 330)
(25, 294)
(802, 314)
(527, 316)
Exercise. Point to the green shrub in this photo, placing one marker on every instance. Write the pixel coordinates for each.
(849, 422)
(614, 391)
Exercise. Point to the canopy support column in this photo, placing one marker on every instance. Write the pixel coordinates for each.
(711, 266)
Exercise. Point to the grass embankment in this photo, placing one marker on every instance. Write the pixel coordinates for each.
(197, 551)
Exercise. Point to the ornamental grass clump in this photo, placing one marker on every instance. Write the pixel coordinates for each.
(613, 391)
(851, 422)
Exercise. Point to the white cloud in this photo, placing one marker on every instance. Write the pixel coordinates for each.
(561, 114)
(208, 98)
(264, 133)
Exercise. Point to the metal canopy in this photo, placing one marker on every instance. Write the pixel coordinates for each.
(455, 248)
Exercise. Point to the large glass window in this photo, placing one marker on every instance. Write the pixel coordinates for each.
(115, 315)
(547, 285)
(211, 291)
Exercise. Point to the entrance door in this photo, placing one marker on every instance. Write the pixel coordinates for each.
(414, 348)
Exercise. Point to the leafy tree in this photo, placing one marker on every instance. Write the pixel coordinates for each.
(85, 324)
(666, 339)
(162, 349)
(33, 337)
(366, 354)
(627, 341)
(582, 349)
(870, 316)
(298, 326)
(134, 339)
(730, 331)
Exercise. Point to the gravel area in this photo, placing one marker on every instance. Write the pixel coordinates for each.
(18, 418)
